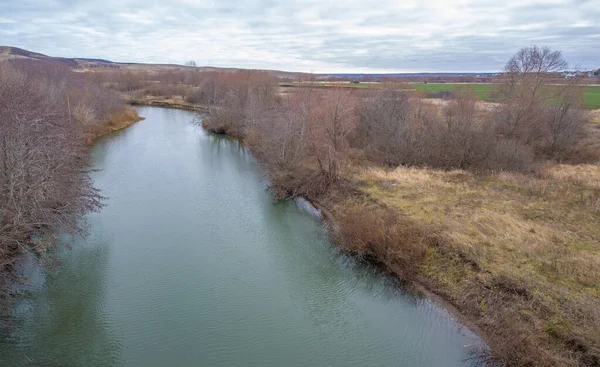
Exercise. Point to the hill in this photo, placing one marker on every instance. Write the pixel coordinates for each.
(15, 53)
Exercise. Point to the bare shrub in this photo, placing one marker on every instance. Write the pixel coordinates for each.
(385, 127)
(334, 122)
(74, 92)
(398, 130)
(380, 234)
(565, 121)
(221, 121)
(195, 96)
(465, 140)
(510, 155)
(165, 90)
(285, 134)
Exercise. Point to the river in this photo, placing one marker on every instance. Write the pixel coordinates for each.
(191, 263)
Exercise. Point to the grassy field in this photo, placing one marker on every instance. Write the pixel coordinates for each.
(518, 253)
(483, 91)
(591, 94)
(592, 97)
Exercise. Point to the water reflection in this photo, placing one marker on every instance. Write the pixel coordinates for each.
(191, 263)
(64, 324)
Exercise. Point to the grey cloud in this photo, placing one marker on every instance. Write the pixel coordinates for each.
(306, 35)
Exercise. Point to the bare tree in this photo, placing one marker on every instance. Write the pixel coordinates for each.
(536, 110)
(335, 120)
(44, 182)
(289, 137)
(565, 119)
(385, 125)
(461, 140)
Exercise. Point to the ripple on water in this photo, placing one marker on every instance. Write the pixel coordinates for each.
(191, 263)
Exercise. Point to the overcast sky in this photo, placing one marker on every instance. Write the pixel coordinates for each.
(306, 35)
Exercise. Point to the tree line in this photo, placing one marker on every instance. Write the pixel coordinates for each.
(305, 138)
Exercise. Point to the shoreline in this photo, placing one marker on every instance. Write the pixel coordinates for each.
(495, 307)
(329, 219)
(415, 285)
(115, 123)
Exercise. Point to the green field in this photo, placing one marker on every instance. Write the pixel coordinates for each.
(484, 92)
(591, 94)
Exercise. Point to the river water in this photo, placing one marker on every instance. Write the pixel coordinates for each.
(191, 263)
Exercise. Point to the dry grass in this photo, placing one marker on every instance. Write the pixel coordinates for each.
(114, 122)
(595, 117)
(520, 254)
(584, 174)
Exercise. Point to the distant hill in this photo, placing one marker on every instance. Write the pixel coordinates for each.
(7, 53)
(13, 53)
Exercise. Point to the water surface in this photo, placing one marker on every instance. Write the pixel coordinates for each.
(191, 263)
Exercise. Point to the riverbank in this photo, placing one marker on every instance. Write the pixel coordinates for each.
(111, 123)
(414, 284)
(513, 255)
(333, 204)
(114, 122)
(210, 257)
(48, 119)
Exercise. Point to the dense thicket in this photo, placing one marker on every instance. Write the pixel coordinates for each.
(47, 113)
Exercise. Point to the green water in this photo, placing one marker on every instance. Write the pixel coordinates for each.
(191, 263)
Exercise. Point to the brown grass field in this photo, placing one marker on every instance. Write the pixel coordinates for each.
(518, 254)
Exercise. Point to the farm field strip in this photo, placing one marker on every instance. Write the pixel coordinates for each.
(591, 94)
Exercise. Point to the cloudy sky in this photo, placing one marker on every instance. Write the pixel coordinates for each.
(307, 35)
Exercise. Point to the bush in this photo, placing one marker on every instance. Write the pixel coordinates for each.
(73, 91)
(397, 130)
(196, 96)
(380, 234)
(445, 94)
